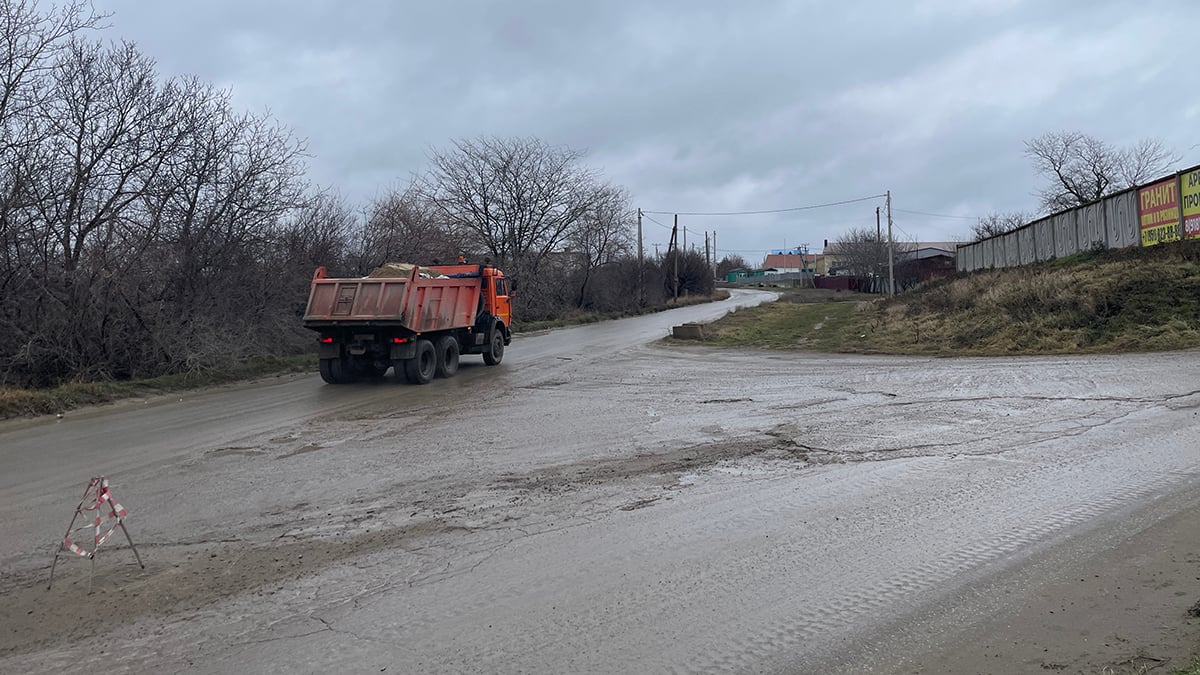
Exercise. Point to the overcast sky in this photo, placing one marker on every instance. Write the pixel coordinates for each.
(699, 105)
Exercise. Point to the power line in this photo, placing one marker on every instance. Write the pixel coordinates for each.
(750, 250)
(666, 227)
(897, 226)
(755, 213)
(935, 215)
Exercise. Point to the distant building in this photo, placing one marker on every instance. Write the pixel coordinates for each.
(786, 262)
(737, 273)
(833, 262)
(914, 263)
(929, 260)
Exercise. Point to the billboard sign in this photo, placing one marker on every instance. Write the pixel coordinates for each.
(1189, 191)
(1158, 212)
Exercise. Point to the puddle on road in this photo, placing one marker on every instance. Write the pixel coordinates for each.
(235, 452)
(640, 504)
(311, 447)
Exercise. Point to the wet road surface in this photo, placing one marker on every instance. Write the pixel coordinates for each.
(598, 503)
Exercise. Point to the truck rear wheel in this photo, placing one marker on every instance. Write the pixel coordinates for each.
(447, 356)
(495, 351)
(335, 371)
(421, 368)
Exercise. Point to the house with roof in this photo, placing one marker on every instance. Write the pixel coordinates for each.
(925, 261)
(914, 263)
(794, 260)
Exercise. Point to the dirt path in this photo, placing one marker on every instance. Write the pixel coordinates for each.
(1123, 610)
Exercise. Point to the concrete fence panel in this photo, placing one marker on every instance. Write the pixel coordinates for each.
(1043, 239)
(1012, 250)
(1111, 223)
(1066, 241)
(997, 252)
(1092, 232)
(1025, 242)
(963, 259)
(989, 253)
(1121, 220)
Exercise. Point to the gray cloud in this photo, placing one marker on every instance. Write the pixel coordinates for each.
(703, 106)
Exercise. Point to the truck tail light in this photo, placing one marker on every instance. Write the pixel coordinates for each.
(399, 341)
(327, 340)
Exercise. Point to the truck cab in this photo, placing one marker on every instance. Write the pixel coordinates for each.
(494, 292)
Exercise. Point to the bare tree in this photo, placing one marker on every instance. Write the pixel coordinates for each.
(602, 235)
(141, 221)
(113, 128)
(520, 197)
(999, 223)
(861, 252)
(30, 41)
(730, 263)
(403, 226)
(695, 275)
(317, 233)
(30, 44)
(1080, 169)
(1144, 161)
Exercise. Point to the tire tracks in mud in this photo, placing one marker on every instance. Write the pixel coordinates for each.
(188, 575)
(181, 577)
(811, 629)
(191, 575)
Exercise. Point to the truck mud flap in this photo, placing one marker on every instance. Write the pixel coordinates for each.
(407, 350)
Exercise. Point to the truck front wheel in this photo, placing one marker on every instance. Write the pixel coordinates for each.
(421, 368)
(495, 351)
(447, 356)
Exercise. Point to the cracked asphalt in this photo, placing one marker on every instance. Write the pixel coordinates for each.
(601, 502)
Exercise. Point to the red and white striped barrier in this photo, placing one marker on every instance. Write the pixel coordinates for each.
(102, 498)
(96, 499)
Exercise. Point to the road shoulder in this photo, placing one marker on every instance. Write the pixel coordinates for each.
(1119, 610)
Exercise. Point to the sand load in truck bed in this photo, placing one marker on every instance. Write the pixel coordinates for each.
(394, 270)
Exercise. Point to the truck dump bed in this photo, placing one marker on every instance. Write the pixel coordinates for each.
(415, 302)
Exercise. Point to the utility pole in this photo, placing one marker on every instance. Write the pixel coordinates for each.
(675, 245)
(684, 232)
(891, 249)
(707, 258)
(878, 233)
(878, 271)
(641, 265)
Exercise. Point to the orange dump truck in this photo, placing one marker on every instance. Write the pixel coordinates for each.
(418, 319)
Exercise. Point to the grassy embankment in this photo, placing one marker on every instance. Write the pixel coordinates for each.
(18, 402)
(579, 318)
(1108, 301)
(1193, 669)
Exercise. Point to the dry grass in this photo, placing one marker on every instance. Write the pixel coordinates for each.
(825, 326)
(1112, 301)
(18, 402)
(580, 318)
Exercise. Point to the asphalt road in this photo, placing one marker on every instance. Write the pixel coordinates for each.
(598, 503)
